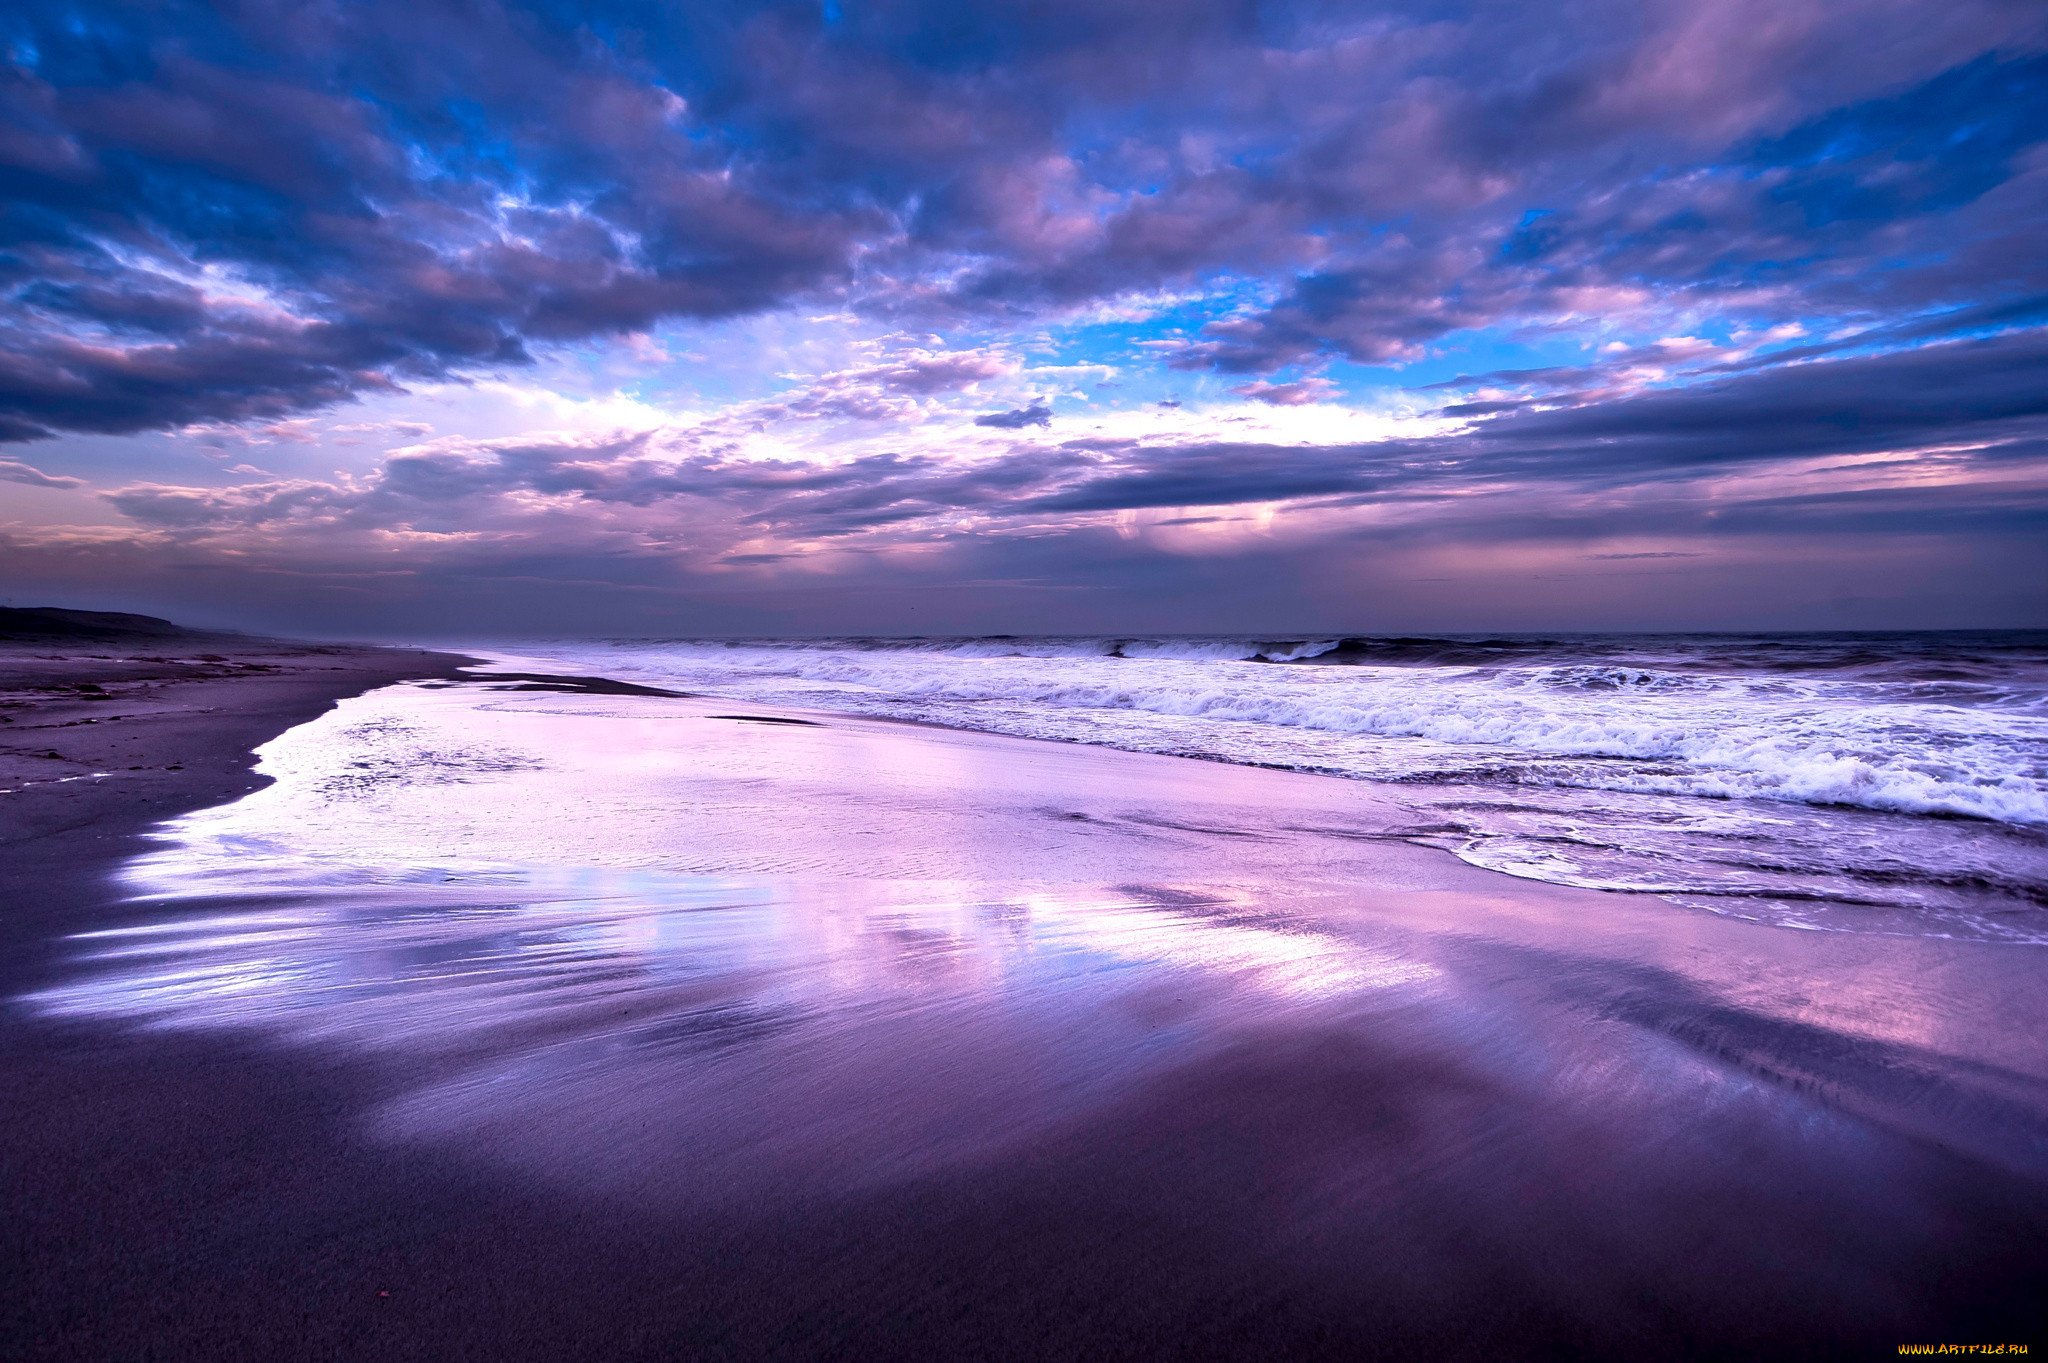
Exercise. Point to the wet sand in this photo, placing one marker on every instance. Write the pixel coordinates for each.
(866, 1039)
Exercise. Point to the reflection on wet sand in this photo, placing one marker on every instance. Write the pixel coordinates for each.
(610, 986)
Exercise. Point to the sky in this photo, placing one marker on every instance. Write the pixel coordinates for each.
(403, 318)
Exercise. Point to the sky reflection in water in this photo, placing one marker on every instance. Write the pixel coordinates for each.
(513, 903)
(850, 1029)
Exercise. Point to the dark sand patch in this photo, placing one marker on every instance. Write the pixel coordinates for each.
(568, 685)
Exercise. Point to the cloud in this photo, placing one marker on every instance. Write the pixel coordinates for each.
(1295, 394)
(14, 471)
(1934, 460)
(412, 429)
(1037, 414)
(234, 220)
(1939, 182)
(901, 387)
(1954, 416)
(246, 215)
(1624, 277)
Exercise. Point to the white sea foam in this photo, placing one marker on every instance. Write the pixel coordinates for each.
(1815, 741)
(1587, 761)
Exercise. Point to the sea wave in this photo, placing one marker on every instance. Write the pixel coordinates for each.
(1987, 656)
(1873, 783)
(1818, 740)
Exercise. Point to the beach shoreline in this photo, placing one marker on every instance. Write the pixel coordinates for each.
(102, 738)
(192, 1193)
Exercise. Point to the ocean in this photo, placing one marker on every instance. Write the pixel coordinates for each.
(1891, 783)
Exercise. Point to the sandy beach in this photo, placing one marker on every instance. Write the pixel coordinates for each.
(804, 1034)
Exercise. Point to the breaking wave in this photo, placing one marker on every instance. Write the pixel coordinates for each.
(1657, 755)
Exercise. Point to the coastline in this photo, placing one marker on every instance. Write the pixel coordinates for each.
(194, 1193)
(103, 738)
(105, 1136)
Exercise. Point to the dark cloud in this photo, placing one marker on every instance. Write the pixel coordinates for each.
(238, 213)
(1037, 414)
(1909, 201)
(225, 219)
(1982, 393)
(1982, 399)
